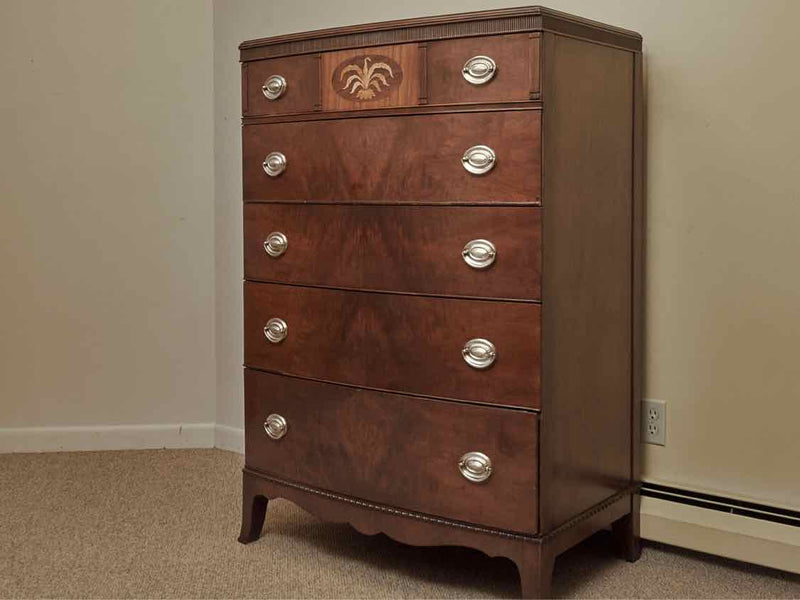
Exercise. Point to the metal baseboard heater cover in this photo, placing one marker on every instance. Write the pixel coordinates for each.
(732, 506)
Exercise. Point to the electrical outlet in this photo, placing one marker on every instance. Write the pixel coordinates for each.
(654, 422)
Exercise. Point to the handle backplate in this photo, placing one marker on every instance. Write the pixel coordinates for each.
(475, 466)
(276, 426)
(274, 87)
(276, 244)
(479, 254)
(479, 160)
(479, 70)
(276, 330)
(274, 164)
(479, 353)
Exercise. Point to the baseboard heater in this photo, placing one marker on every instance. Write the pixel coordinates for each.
(722, 504)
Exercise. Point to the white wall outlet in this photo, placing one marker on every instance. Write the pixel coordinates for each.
(654, 422)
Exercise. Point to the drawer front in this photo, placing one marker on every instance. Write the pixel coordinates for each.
(484, 69)
(396, 450)
(417, 249)
(293, 84)
(399, 343)
(409, 159)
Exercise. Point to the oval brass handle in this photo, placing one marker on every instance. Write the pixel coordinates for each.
(276, 244)
(475, 466)
(479, 254)
(479, 70)
(276, 330)
(479, 353)
(275, 426)
(479, 160)
(274, 164)
(274, 87)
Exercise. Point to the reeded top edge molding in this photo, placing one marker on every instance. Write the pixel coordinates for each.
(489, 22)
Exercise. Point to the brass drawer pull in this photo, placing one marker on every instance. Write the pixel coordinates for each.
(274, 87)
(276, 330)
(475, 466)
(479, 353)
(479, 70)
(479, 160)
(276, 244)
(274, 164)
(275, 426)
(479, 254)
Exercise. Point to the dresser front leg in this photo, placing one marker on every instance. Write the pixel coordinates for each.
(254, 509)
(535, 567)
(626, 533)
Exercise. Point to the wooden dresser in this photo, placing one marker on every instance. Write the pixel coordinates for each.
(442, 232)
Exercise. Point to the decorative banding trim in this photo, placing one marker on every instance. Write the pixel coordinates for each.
(597, 508)
(519, 20)
(446, 522)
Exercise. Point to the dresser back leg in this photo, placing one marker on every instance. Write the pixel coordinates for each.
(254, 509)
(626, 533)
(535, 565)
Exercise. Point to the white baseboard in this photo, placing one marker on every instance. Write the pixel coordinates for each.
(229, 438)
(723, 534)
(106, 437)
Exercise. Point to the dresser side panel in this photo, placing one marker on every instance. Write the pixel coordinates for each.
(587, 269)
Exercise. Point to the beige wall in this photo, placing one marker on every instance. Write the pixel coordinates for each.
(723, 322)
(106, 213)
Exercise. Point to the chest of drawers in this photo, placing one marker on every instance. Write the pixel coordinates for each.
(442, 308)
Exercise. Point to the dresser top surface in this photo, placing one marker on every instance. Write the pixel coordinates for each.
(489, 22)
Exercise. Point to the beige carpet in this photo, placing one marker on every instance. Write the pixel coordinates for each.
(163, 524)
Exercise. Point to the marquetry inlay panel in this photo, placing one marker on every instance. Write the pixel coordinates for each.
(382, 77)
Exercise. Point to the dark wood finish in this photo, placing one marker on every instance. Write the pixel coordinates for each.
(419, 248)
(396, 159)
(398, 343)
(489, 22)
(533, 555)
(638, 251)
(302, 85)
(395, 111)
(513, 55)
(356, 442)
(626, 533)
(254, 510)
(379, 307)
(535, 63)
(423, 73)
(398, 88)
(586, 304)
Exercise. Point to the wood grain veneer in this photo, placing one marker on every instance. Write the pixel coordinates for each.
(376, 207)
(419, 248)
(302, 93)
(355, 442)
(412, 159)
(400, 343)
(516, 79)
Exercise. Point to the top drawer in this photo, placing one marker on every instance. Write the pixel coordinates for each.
(502, 68)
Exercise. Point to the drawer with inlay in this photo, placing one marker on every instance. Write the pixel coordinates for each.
(477, 350)
(471, 463)
(472, 70)
(487, 252)
(487, 157)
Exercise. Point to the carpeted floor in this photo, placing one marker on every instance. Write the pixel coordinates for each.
(163, 524)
